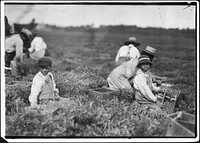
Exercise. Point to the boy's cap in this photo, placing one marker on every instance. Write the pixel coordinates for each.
(44, 62)
(150, 50)
(132, 40)
(144, 59)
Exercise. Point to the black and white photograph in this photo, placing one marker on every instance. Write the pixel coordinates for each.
(100, 71)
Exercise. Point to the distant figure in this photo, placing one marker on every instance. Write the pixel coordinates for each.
(9, 27)
(27, 36)
(43, 87)
(119, 78)
(144, 85)
(14, 54)
(37, 49)
(127, 51)
(14, 48)
(151, 53)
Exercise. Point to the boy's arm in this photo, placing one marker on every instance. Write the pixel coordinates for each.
(158, 79)
(54, 84)
(117, 56)
(140, 81)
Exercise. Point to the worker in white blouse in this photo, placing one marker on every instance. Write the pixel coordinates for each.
(144, 85)
(43, 87)
(14, 54)
(119, 77)
(128, 51)
(37, 48)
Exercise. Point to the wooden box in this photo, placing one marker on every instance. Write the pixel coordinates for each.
(102, 93)
(180, 124)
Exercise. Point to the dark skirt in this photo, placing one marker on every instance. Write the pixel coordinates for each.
(9, 57)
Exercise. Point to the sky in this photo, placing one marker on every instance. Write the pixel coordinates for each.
(164, 16)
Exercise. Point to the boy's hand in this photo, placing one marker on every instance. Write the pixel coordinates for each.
(56, 95)
(162, 89)
(158, 82)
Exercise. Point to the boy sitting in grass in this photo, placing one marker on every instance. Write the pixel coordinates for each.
(144, 86)
(43, 87)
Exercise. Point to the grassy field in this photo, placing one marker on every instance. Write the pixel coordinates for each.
(82, 59)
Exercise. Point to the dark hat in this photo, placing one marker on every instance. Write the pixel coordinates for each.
(132, 40)
(144, 59)
(26, 32)
(150, 50)
(44, 62)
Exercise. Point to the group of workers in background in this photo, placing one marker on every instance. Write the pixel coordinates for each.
(20, 41)
(132, 73)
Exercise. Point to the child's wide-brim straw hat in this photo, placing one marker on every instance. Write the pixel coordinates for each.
(150, 50)
(144, 59)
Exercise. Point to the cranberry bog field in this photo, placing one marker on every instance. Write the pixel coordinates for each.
(82, 59)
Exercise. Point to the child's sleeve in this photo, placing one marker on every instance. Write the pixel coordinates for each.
(35, 90)
(140, 82)
(153, 78)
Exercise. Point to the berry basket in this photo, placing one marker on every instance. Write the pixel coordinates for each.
(102, 93)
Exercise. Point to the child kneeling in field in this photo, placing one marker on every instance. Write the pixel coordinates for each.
(43, 87)
(144, 86)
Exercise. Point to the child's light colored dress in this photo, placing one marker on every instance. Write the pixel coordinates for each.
(144, 86)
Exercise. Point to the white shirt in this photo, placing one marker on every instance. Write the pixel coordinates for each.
(118, 78)
(140, 83)
(38, 82)
(37, 44)
(129, 51)
(14, 43)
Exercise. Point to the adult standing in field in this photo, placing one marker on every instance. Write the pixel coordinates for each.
(127, 51)
(151, 53)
